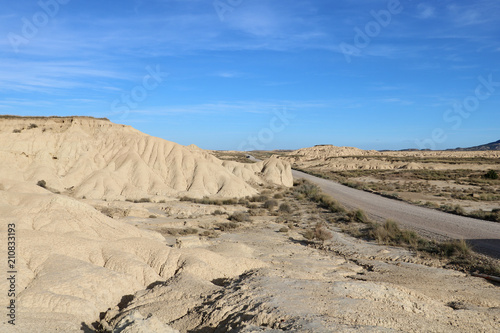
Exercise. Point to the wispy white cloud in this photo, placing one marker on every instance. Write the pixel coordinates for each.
(222, 107)
(395, 100)
(228, 74)
(425, 11)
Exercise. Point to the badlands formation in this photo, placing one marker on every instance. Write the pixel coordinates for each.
(96, 159)
(332, 158)
(115, 269)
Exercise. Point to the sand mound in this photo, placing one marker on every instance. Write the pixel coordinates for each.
(325, 151)
(74, 262)
(94, 158)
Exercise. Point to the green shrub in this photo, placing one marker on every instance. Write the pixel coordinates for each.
(492, 174)
(357, 216)
(455, 248)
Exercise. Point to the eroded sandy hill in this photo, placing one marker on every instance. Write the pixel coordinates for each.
(73, 262)
(95, 158)
(332, 158)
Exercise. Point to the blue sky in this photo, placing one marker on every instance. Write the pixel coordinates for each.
(261, 74)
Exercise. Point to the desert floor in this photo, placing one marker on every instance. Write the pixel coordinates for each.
(293, 284)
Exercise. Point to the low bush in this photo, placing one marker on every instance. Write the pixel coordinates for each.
(309, 234)
(285, 208)
(270, 204)
(494, 215)
(359, 216)
(259, 198)
(239, 217)
(453, 209)
(455, 248)
(321, 233)
(492, 174)
(390, 233)
(42, 183)
(227, 226)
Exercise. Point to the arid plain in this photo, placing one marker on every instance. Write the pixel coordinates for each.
(118, 231)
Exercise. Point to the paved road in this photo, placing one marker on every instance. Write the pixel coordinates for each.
(483, 235)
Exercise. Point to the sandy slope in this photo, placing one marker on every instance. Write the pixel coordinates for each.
(73, 262)
(101, 160)
(351, 287)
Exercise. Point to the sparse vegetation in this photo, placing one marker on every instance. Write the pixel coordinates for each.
(16, 131)
(218, 212)
(32, 125)
(240, 217)
(312, 192)
(457, 253)
(453, 209)
(321, 233)
(178, 232)
(227, 226)
(285, 208)
(42, 183)
(492, 174)
(270, 204)
(358, 216)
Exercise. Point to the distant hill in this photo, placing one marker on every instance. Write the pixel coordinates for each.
(489, 146)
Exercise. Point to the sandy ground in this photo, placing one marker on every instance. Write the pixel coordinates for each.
(344, 285)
